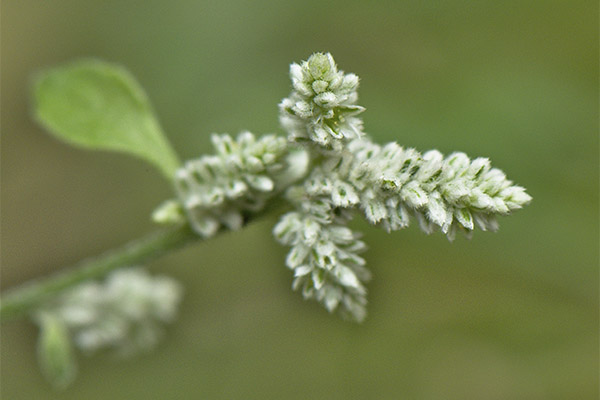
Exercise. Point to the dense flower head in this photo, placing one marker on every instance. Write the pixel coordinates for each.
(324, 258)
(321, 107)
(216, 189)
(452, 193)
(125, 313)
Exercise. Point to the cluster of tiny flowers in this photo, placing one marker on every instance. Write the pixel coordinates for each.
(321, 108)
(125, 313)
(389, 184)
(216, 190)
(324, 254)
(451, 194)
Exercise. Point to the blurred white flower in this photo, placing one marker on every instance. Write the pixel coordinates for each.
(125, 313)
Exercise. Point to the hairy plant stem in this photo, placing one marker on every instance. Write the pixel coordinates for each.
(20, 301)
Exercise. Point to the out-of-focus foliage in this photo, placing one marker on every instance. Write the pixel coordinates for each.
(54, 352)
(505, 315)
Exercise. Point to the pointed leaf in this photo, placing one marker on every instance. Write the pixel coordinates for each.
(97, 105)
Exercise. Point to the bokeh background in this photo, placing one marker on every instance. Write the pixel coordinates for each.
(510, 315)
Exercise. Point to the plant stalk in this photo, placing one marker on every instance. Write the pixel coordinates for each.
(20, 301)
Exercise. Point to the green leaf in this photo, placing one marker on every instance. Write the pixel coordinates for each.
(55, 354)
(98, 105)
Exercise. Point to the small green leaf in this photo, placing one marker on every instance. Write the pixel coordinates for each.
(98, 105)
(55, 355)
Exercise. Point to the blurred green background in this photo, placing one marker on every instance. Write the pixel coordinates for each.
(510, 315)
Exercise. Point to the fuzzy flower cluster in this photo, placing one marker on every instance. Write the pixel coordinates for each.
(321, 108)
(325, 257)
(450, 193)
(126, 313)
(216, 190)
(388, 184)
(328, 170)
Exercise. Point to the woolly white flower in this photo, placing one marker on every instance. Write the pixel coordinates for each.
(325, 261)
(452, 193)
(339, 171)
(216, 190)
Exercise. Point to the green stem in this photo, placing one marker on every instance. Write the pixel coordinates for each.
(20, 301)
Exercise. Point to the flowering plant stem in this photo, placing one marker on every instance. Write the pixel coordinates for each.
(20, 301)
(323, 173)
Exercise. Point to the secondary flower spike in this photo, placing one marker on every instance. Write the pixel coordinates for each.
(215, 190)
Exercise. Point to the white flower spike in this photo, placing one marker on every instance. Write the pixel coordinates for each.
(328, 169)
(216, 190)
